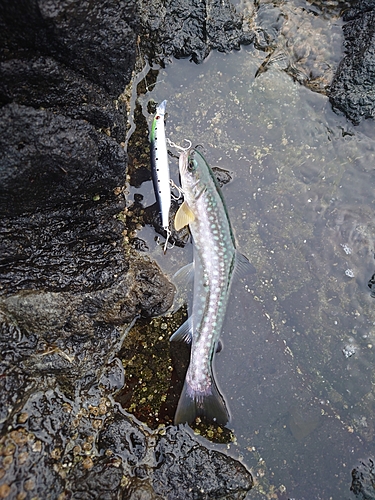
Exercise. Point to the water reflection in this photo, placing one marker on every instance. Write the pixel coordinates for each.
(299, 343)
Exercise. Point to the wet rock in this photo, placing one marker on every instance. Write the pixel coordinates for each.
(70, 248)
(371, 285)
(124, 440)
(68, 335)
(69, 288)
(357, 8)
(152, 217)
(187, 470)
(95, 40)
(351, 91)
(49, 160)
(101, 480)
(363, 481)
(223, 176)
(27, 471)
(173, 462)
(191, 28)
(53, 86)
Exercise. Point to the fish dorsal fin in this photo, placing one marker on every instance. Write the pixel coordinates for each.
(183, 217)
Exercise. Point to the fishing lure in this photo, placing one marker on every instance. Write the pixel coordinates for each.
(160, 168)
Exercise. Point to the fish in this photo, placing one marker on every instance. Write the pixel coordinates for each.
(160, 168)
(216, 263)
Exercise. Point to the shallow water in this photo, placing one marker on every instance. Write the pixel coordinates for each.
(299, 343)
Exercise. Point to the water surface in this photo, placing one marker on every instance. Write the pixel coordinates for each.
(299, 342)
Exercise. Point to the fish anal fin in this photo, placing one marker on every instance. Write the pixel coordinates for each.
(243, 267)
(184, 275)
(183, 333)
(183, 216)
(209, 405)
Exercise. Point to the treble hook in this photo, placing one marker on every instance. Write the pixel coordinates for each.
(165, 244)
(179, 190)
(173, 145)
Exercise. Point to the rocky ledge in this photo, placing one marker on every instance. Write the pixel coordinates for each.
(69, 286)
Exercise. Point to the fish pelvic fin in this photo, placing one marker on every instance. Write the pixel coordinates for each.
(209, 404)
(183, 216)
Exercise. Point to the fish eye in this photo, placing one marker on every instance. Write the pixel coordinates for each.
(192, 164)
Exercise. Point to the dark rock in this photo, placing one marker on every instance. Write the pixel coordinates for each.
(124, 440)
(175, 463)
(363, 480)
(49, 160)
(101, 482)
(351, 90)
(70, 335)
(51, 85)
(54, 447)
(222, 175)
(187, 471)
(36, 476)
(96, 40)
(371, 285)
(357, 8)
(69, 290)
(191, 28)
(152, 217)
(38, 250)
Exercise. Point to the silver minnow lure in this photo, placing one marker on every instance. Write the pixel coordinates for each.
(215, 262)
(160, 167)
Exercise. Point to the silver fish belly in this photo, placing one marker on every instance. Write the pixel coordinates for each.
(215, 261)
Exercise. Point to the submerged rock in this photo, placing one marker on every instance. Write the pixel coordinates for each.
(363, 480)
(351, 91)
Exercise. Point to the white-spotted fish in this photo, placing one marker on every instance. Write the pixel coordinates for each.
(160, 168)
(215, 262)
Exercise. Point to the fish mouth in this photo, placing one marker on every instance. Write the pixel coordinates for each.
(184, 161)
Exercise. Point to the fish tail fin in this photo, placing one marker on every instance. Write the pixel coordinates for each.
(209, 404)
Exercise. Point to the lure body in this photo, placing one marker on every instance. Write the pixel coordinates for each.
(160, 166)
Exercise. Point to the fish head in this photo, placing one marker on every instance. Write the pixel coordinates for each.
(194, 173)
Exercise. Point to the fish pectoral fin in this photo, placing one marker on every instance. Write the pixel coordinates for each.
(184, 333)
(183, 216)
